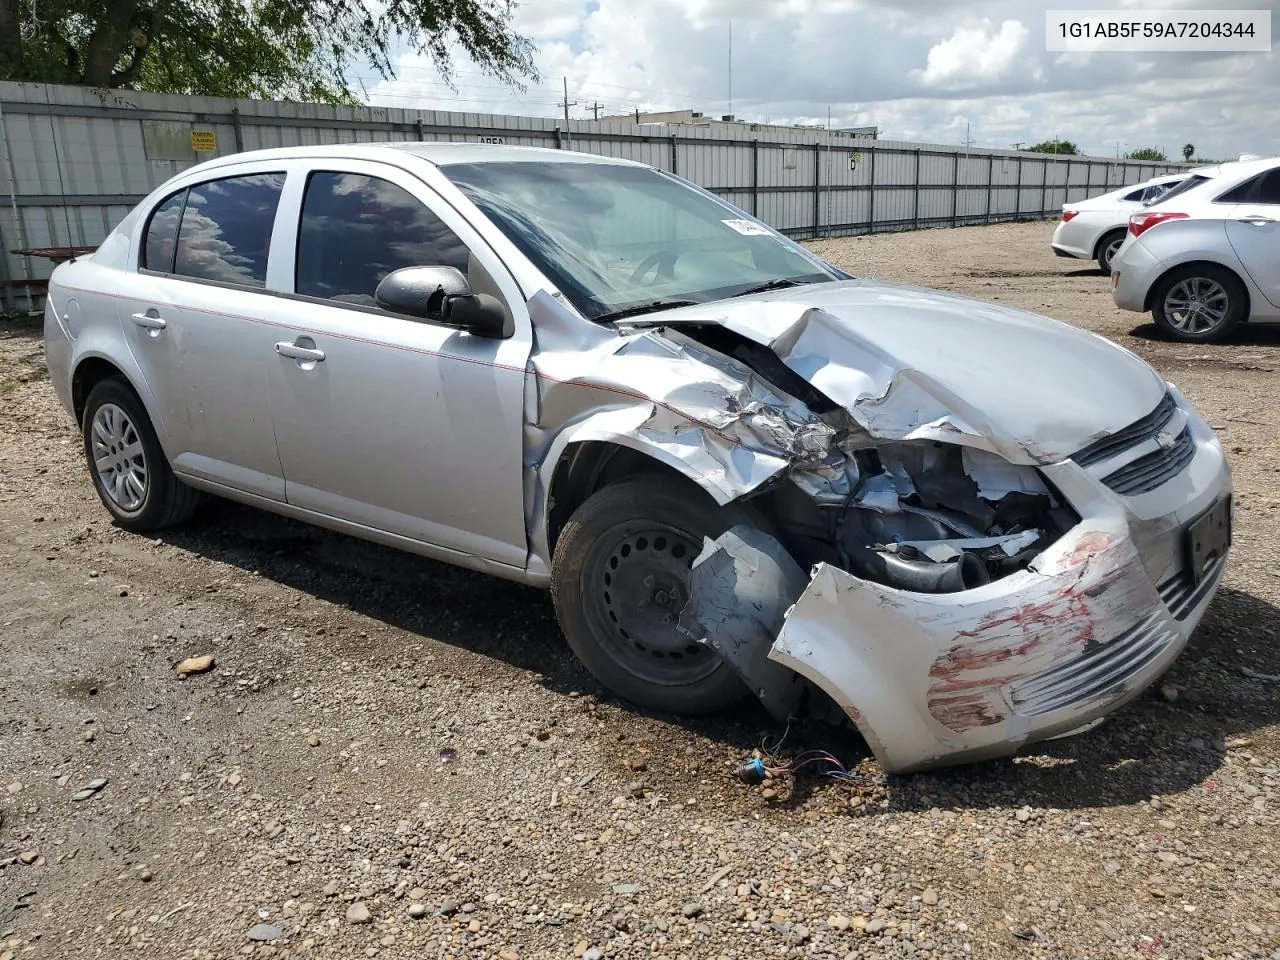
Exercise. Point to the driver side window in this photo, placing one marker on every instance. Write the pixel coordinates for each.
(355, 229)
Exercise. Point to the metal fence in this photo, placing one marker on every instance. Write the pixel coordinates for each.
(76, 159)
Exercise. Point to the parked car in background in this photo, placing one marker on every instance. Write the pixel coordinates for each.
(739, 471)
(1093, 229)
(1206, 256)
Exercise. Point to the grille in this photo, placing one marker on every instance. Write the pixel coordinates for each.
(1147, 473)
(1181, 594)
(1094, 673)
(1130, 436)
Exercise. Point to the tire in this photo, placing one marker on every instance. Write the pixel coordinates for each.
(118, 431)
(1107, 248)
(1222, 298)
(619, 579)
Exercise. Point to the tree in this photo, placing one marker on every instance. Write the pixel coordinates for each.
(1188, 151)
(1048, 146)
(293, 49)
(1147, 153)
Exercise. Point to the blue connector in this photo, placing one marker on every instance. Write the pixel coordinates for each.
(752, 771)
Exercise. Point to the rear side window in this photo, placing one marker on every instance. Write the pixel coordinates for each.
(1240, 193)
(356, 229)
(1269, 189)
(162, 234)
(226, 229)
(1136, 195)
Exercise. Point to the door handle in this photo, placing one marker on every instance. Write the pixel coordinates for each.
(151, 320)
(1256, 220)
(298, 352)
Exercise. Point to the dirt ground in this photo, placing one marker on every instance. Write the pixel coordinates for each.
(395, 758)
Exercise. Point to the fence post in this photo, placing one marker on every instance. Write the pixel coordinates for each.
(559, 139)
(1017, 193)
(955, 189)
(915, 195)
(421, 133)
(817, 189)
(755, 177)
(235, 127)
(991, 176)
(1066, 187)
(674, 163)
(871, 193)
(1044, 186)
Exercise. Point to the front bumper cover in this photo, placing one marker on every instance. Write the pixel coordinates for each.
(936, 679)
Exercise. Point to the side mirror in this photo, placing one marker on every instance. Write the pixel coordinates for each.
(443, 295)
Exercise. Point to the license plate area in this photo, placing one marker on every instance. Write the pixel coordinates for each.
(1208, 538)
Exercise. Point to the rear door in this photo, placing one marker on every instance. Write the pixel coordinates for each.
(382, 420)
(196, 327)
(1253, 227)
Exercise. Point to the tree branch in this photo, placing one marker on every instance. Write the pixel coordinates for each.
(122, 78)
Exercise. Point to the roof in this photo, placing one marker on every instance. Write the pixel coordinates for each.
(437, 153)
(1241, 168)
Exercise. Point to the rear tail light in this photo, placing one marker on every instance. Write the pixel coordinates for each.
(1140, 223)
(1068, 215)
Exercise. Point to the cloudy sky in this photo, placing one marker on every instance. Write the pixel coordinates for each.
(919, 69)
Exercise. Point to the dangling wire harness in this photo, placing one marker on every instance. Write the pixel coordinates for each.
(760, 768)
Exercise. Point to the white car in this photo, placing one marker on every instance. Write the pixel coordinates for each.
(1094, 229)
(1206, 256)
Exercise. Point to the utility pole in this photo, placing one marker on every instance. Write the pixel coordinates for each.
(595, 111)
(731, 68)
(567, 103)
(1018, 145)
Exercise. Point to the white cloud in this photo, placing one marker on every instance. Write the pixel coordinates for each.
(920, 69)
(975, 55)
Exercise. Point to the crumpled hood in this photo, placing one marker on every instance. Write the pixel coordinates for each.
(910, 363)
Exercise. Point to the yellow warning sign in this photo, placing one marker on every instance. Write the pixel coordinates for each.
(204, 141)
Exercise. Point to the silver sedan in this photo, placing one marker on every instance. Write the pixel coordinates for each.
(1206, 257)
(739, 471)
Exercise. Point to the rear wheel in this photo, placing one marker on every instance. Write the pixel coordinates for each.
(1107, 249)
(1199, 303)
(620, 578)
(129, 470)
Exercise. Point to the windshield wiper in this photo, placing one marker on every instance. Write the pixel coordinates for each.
(652, 306)
(779, 284)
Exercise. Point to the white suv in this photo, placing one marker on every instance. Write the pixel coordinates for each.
(1206, 256)
(1093, 229)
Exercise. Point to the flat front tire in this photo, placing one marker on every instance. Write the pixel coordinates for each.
(127, 465)
(620, 578)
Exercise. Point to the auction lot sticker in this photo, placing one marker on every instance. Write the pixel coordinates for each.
(1130, 30)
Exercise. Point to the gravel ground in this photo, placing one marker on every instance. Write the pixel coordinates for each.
(394, 758)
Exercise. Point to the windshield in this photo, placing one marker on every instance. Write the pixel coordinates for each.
(620, 239)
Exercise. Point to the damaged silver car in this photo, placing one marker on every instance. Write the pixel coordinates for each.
(740, 471)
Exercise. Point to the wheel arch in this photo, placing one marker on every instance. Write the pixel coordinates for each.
(586, 466)
(1102, 240)
(90, 369)
(1148, 302)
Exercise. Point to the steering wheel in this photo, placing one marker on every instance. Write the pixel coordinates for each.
(663, 263)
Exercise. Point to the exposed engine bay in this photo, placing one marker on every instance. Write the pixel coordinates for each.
(919, 515)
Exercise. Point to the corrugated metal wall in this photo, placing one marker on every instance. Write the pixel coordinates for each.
(75, 161)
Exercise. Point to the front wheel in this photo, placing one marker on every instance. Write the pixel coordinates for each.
(620, 578)
(128, 467)
(1200, 303)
